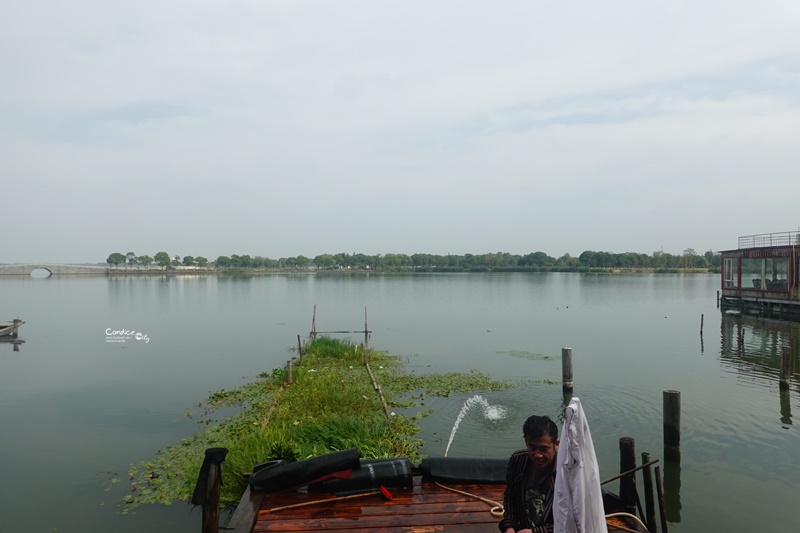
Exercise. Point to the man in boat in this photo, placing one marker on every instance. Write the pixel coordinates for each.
(530, 478)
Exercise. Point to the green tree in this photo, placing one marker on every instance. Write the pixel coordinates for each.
(163, 259)
(201, 261)
(115, 259)
(145, 260)
(188, 261)
(324, 260)
(130, 258)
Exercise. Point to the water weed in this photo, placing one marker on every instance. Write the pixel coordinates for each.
(331, 405)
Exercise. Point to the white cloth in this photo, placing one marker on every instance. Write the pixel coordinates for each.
(578, 501)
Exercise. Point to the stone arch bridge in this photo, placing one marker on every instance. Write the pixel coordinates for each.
(55, 269)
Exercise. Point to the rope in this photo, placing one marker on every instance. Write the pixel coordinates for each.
(496, 511)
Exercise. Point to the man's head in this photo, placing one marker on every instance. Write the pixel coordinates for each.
(541, 439)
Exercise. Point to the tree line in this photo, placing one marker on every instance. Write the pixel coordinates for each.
(500, 261)
(162, 259)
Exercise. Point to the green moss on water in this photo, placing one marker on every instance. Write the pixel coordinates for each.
(330, 406)
(533, 356)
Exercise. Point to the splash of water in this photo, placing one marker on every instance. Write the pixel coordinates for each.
(490, 412)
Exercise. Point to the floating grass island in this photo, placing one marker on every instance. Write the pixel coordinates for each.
(329, 403)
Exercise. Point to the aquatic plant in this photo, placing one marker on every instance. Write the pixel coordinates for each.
(330, 405)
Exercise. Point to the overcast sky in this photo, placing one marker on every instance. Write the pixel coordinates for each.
(284, 128)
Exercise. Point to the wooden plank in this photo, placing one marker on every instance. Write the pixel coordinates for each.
(374, 510)
(246, 512)
(372, 523)
(425, 507)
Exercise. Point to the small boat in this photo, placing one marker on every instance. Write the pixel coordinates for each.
(11, 327)
(342, 492)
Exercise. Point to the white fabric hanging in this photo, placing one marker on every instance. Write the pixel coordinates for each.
(578, 501)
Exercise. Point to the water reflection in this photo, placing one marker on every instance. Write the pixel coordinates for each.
(672, 488)
(786, 407)
(752, 347)
(15, 341)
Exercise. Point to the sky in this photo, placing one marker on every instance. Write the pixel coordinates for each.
(285, 128)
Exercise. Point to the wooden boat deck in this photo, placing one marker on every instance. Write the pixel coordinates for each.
(425, 508)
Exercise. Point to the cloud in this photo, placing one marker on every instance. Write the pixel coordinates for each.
(285, 128)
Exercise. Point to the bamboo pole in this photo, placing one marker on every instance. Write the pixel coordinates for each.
(326, 500)
(379, 391)
(631, 471)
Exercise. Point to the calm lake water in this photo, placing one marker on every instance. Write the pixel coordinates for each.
(77, 410)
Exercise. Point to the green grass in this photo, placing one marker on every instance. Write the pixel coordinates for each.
(331, 405)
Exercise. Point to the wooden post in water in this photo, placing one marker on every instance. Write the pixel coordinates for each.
(206, 491)
(567, 383)
(366, 329)
(717, 299)
(649, 501)
(786, 367)
(672, 423)
(289, 371)
(299, 348)
(662, 509)
(701, 324)
(627, 484)
(314, 323)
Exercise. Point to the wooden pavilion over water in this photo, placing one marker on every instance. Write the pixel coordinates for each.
(762, 276)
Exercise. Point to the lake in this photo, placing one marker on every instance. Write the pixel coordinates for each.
(77, 407)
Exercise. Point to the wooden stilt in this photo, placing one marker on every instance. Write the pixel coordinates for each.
(660, 490)
(672, 423)
(649, 501)
(567, 383)
(627, 484)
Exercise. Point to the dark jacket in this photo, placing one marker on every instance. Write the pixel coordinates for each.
(519, 469)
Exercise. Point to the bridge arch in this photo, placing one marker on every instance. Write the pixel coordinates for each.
(36, 270)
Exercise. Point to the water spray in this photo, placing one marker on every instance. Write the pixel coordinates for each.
(490, 412)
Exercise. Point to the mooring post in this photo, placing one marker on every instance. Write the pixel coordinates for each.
(314, 323)
(701, 324)
(567, 383)
(289, 371)
(661, 505)
(15, 328)
(299, 348)
(627, 484)
(366, 329)
(717, 299)
(206, 491)
(649, 501)
(786, 367)
(672, 423)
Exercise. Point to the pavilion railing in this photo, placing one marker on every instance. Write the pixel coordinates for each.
(764, 240)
